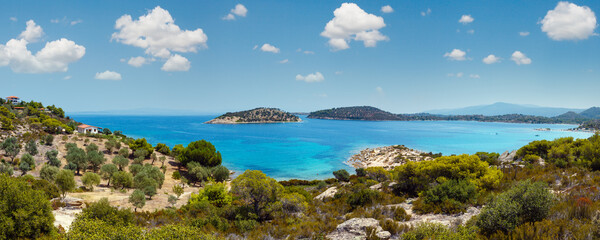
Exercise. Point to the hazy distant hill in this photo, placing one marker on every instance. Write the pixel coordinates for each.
(501, 108)
(571, 117)
(593, 112)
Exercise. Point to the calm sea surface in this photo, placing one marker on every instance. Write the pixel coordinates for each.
(314, 148)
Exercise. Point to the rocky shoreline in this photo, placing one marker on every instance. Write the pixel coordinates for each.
(387, 157)
(237, 120)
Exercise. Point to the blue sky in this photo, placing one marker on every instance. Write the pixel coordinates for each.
(222, 67)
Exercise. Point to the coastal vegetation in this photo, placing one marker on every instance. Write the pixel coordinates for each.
(374, 114)
(257, 115)
(547, 191)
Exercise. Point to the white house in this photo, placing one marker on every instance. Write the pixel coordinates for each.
(84, 128)
(13, 100)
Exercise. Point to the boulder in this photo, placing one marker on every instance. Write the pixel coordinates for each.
(356, 228)
(507, 156)
(329, 193)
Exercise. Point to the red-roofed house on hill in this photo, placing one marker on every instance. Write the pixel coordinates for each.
(13, 100)
(84, 128)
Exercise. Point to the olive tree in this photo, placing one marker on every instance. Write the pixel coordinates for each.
(122, 179)
(11, 147)
(120, 161)
(52, 157)
(89, 180)
(27, 163)
(31, 147)
(65, 180)
(78, 158)
(137, 199)
(107, 171)
(49, 173)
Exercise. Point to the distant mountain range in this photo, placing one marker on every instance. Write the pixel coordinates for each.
(501, 108)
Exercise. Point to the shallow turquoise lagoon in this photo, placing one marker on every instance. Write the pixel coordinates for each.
(314, 148)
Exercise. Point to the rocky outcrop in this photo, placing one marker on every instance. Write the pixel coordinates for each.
(507, 156)
(387, 157)
(356, 228)
(329, 193)
(64, 216)
(445, 219)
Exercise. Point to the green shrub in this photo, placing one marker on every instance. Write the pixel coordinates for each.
(377, 173)
(362, 197)
(342, 175)
(439, 231)
(215, 193)
(220, 173)
(24, 212)
(50, 190)
(49, 173)
(530, 158)
(449, 197)
(525, 202)
(102, 210)
(90, 180)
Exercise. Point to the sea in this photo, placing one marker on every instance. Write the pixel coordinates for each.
(314, 148)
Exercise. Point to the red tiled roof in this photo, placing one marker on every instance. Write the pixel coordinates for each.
(85, 126)
(11, 97)
(19, 108)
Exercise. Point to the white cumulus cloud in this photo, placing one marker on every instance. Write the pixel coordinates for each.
(32, 33)
(313, 77)
(176, 63)
(157, 33)
(567, 21)
(519, 58)
(387, 9)
(55, 56)
(476, 76)
(284, 61)
(491, 59)
(108, 75)
(427, 12)
(269, 48)
(524, 34)
(14, 19)
(137, 61)
(456, 55)
(353, 23)
(239, 10)
(466, 19)
(458, 75)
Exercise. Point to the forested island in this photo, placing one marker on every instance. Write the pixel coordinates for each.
(368, 113)
(58, 183)
(257, 115)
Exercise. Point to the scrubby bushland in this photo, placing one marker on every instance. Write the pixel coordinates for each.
(415, 177)
(565, 152)
(24, 212)
(525, 202)
(449, 197)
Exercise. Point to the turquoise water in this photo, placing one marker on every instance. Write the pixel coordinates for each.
(312, 149)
